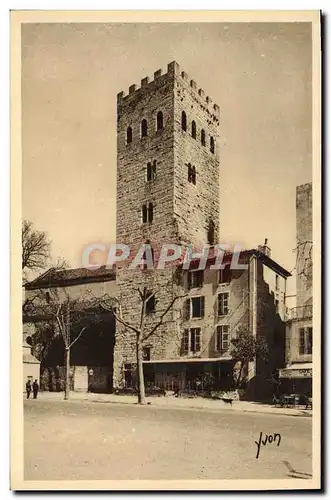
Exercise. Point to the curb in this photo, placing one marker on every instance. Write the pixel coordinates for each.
(172, 407)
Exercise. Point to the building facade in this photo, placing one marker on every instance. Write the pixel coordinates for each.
(168, 192)
(92, 354)
(299, 329)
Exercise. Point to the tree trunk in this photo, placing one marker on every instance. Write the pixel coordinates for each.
(67, 373)
(238, 381)
(140, 374)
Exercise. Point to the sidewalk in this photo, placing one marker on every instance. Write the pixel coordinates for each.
(173, 402)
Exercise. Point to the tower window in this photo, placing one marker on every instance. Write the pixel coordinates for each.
(194, 130)
(144, 213)
(151, 171)
(184, 121)
(159, 121)
(212, 145)
(211, 233)
(128, 135)
(203, 137)
(147, 213)
(191, 174)
(150, 303)
(150, 212)
(146, 353)
(144, 128)
(146, 259)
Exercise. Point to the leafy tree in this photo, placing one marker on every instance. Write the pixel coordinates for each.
(245, 348)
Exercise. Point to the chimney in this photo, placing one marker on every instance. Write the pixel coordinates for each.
(264, 248)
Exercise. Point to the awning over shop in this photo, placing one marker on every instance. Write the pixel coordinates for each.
(188, 360)
(297, 370)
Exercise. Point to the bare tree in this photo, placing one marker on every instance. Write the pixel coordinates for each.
(62, 313)
(65, 314)
(35, 248)
(142, 329)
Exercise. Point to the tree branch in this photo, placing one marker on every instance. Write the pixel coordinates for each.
(160, 322)
(73, 342)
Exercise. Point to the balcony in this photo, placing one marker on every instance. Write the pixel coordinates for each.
(297, 313)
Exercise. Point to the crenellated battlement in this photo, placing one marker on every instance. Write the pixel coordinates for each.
(173, 72)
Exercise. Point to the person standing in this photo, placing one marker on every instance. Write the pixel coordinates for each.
(28, 388)
(35, 387)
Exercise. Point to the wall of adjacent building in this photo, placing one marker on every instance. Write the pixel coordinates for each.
(80, 291)
(304, 227)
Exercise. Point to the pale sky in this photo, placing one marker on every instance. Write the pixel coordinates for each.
(259, 74)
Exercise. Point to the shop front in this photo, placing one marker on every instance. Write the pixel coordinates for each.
(297, 378)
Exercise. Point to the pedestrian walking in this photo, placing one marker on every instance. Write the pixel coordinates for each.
(28, 388)
(35, 387)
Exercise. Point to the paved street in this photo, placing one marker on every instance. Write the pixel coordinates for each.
(86, 440)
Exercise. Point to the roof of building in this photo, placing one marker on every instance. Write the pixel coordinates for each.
(67, 277)
(242, 258)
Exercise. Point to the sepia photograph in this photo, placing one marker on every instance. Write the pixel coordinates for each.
(166, 250)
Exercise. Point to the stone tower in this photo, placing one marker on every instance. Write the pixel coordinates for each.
(167, 184)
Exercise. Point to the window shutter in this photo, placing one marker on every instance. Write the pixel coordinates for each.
(187, 309)
(202, 306)
(198, 340)
(192, 340)
(219, 304)
(310, 341)
(218, 338)
(189, 280)
(301, 341)
(200, 278)
(185, 342)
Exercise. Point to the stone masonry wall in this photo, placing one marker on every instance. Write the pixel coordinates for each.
(172, 219)
(304, 237)
(195, 205)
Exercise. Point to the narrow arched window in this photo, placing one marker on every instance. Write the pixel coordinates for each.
(149, 172)
(212, 145)
(194, 176)
(144, 213)
(159, 121)
(194, 130)
(184, 121)
(189, 172)
(150, 212)
(146, 259)
(128, 135)
(211, 232)
(203, 137)
(144, 128)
